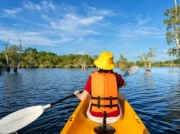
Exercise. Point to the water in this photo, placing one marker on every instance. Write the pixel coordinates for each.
(155, 96)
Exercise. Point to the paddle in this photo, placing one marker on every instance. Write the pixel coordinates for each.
(23, 117)
(131, 71)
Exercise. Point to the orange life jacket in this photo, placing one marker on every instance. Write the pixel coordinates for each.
(104, 92)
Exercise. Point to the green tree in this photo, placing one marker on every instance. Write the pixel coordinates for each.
(30, 59)
(15, 55)
(2, 60)
(172, 34)
(122, 63)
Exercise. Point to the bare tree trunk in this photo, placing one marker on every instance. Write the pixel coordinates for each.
(176, 27)
(16, 62)
(16, 66)
(149, 67)
(83, 65)
(146, 68)
(7, 63)
(7, 58)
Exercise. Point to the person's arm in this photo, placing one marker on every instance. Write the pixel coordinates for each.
(81, 96)
(120, 80)
(124, 84)
(86, 91)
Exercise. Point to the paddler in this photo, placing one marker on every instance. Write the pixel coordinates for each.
(103, 86)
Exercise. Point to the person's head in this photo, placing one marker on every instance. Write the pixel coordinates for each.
(105, 61)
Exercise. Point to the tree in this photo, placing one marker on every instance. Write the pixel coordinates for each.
(6, 55)
(148, 58)
(122, 64)
(2, 62)
(30, 57)
(12, 53)
(15, 54)
(172, 34)
(82, 61)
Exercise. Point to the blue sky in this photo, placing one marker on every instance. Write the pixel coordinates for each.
(87, 26)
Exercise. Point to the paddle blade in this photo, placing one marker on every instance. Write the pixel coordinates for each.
(20, 119)
(131, 70)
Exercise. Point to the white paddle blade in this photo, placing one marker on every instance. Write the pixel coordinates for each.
(131, 70)
(20, 119)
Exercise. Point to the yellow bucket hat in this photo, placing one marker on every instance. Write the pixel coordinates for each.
(105, 61)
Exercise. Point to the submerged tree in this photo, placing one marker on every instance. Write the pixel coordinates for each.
(15, 54)
(172, 34)
(6, 55)
(148, 58)
(82, 60)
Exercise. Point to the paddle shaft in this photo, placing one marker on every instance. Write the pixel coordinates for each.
(61, 100)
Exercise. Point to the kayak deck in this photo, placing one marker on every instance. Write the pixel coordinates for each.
(79, 123)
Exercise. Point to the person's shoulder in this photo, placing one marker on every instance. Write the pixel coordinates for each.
(93, 71)
(117, 74)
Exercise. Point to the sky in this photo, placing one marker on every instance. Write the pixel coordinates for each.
(87, 26)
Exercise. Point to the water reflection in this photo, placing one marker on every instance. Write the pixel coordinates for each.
(11, 89)
(148, 79)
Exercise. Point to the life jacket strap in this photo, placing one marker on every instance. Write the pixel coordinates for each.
(110, 101)
(96, 105)
(98, 101)
(104, 98)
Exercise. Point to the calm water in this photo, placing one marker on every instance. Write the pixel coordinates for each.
(155, 97)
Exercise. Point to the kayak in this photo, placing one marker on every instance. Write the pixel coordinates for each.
(79, 123)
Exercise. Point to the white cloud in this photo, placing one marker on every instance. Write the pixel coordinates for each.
(82, 53)
(43, 5)
(94, 11)
(12, 13)
(63, 18)
(141, 21)
(31, 6)
(49, 4)
(76, 24)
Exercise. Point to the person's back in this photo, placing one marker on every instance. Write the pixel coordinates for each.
(104, 92)
(103, 87)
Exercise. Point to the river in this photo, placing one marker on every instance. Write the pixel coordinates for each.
(155, 96)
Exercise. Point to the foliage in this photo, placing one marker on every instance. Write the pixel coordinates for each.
(31, 58)
(173, 34)
(14, 53)
(123, 63)
(2, 60)
(170, 63)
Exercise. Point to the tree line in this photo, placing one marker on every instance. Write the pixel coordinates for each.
(31, 58)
